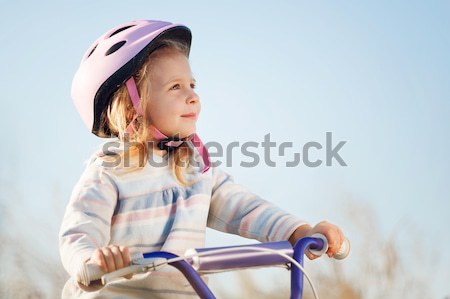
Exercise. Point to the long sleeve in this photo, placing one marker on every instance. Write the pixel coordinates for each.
(87, 220)
(234, 209)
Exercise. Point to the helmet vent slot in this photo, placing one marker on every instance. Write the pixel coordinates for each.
(115, 47)
(121, 29)
(92, 51)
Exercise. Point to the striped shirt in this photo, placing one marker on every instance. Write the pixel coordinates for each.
(148, 210)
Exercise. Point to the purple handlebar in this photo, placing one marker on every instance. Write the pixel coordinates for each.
(243, 257)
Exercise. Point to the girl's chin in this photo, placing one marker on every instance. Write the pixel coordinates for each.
(183, 134)
(186, 133)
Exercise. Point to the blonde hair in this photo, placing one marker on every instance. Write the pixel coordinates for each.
(121, 113)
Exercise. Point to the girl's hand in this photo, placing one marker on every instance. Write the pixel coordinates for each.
(111, 258)
(333, 234)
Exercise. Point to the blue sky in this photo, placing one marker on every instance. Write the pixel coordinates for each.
(375, 74)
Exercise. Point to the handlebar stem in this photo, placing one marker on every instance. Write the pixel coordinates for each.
(191, 275)
(296, 275)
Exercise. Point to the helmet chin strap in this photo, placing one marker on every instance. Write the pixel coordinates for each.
(165, 143)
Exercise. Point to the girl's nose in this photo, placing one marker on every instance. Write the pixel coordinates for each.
(192, 98)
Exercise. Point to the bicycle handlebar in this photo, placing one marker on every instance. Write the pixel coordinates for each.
(89, 272)
(209, 259)
(342, 252)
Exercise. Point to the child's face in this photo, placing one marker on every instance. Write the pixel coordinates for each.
(172, 96)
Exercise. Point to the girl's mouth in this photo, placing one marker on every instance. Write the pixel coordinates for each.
(190, 115)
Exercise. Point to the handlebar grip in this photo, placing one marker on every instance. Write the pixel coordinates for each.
(342, 253)
(89, 272)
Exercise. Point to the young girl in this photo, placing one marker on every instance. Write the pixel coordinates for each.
(153, 188)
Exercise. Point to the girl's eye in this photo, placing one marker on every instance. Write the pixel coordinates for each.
(176, 86)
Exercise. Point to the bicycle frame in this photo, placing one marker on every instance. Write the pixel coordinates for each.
(242, 257)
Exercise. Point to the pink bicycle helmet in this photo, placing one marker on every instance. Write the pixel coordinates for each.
(113, 59)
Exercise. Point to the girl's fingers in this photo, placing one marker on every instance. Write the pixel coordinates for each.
(126, 259)
(117, 256)
(125, 255)
(109, 258)
(335, 239)
(333, 234)
(98, 258)
(310, 255)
